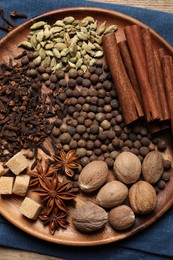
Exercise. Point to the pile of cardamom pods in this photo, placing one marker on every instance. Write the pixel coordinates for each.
(68, 43)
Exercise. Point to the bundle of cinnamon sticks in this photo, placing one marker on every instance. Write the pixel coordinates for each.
(143, 77)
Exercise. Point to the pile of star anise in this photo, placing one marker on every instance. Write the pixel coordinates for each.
(55, 195)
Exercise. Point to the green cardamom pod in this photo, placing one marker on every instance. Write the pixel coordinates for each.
(93, 26)
(64, 52)
(56, 30)
(58, 66)
(72, 65)
(53, 62)
(49, 53)
(37, 60)
(49, 46)
(98, 46)
(101, 28)
(60, 46)
(46, 33)
(40, 36)
(111, 28)
(42, 53)
(79, 63)
(37, 48)
(33, 41)
(56, 53)
(46, 61)
(99, 54)
(92, 62)
(91, 45)
(37, 25)
(67, 39)
(25, 44)
(89, 19)
(82, 36)
(59, 23)
(84, 68)
(68, 19)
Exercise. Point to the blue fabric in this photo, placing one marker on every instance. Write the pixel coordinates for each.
(155, 242)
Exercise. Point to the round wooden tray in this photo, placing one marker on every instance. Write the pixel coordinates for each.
(9, 207)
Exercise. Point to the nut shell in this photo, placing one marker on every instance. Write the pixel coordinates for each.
(112, 194)
(127, 167)
(89, 217)
(93, 176)
(152, 167)
(142, 197)
(121, 217)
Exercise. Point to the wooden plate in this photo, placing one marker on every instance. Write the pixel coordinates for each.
(9, 207)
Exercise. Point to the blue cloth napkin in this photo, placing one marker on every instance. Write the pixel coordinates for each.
(155, 242)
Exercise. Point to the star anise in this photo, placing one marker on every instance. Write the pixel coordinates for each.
(66, 162)
(40, 173)
(55, 220)
(54, 193)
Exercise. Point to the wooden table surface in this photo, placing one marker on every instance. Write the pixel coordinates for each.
(162, 5)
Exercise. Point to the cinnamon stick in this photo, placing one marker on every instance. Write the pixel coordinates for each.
(161, 88)
(167, 73)
(161, 53)
(129, 102)
(129, 67)
(149, 54)
(135, 43)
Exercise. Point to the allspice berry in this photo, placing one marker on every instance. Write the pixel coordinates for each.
(105, 124)
(121, 217)
(65, 138)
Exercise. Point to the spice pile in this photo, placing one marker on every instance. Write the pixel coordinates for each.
(8, 24)
(77, 110)
(68, 43)
(58, 101)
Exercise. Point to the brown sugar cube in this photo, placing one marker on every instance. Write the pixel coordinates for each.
(18, 163)
(2, 170)
(30, 208)
(21, 184)
(6, 185)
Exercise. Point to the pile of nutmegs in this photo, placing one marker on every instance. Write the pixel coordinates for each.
(119, 201)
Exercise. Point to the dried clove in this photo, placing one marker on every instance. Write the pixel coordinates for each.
(5, 28)
(9, 22)
(14, 14)
(2, 14)
(44, 149)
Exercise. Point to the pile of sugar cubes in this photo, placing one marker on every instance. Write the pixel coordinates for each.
(19, 185)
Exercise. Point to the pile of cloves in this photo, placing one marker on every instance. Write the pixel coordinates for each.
(7, 24)
(24, 112)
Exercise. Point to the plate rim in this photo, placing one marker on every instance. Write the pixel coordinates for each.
(28, 23)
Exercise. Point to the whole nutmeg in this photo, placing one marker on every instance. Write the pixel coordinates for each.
(93, 176)
(127, 167)
(142, 197)
(112, 194)
(89, 217)
(121, 217)
(152, 167)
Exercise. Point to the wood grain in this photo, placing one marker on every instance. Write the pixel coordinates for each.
(13, 254)
(162, 5)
